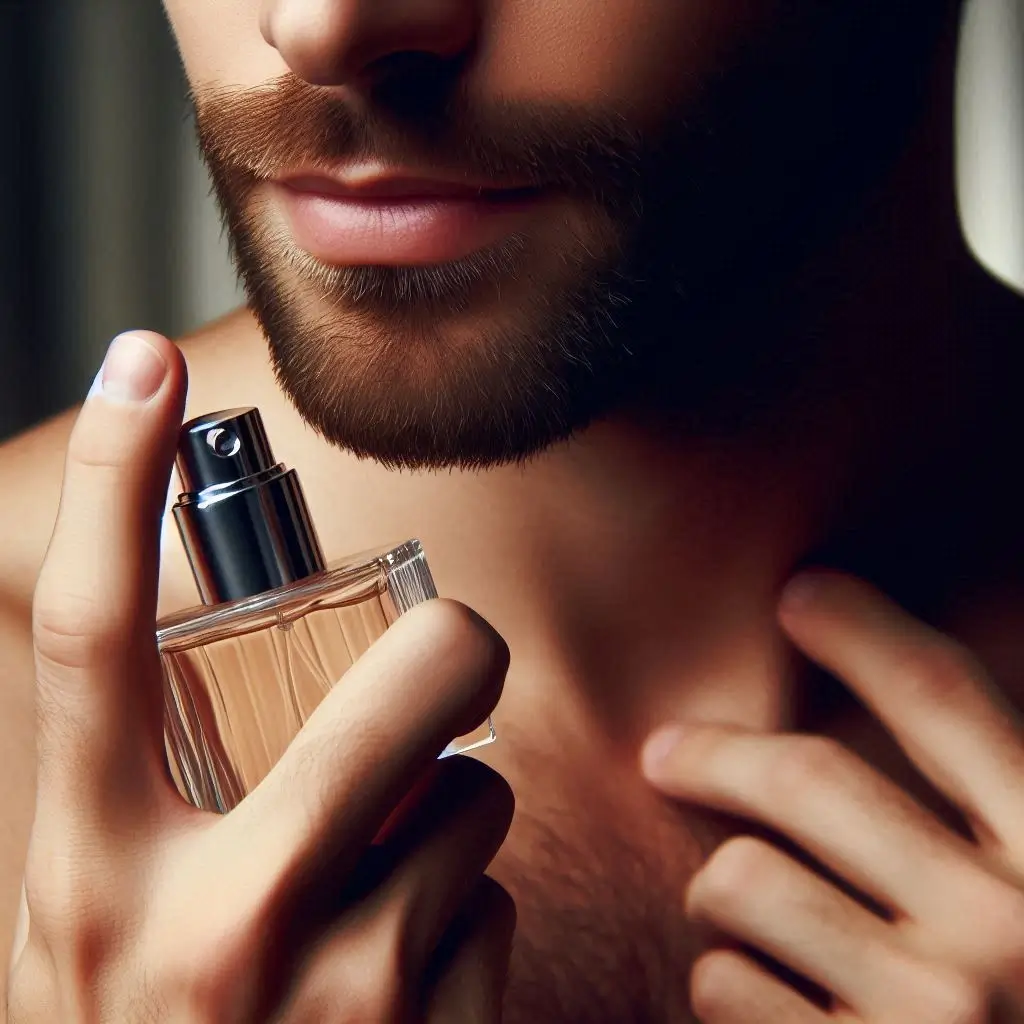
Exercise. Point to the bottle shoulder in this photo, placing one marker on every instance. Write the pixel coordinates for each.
(385, 572)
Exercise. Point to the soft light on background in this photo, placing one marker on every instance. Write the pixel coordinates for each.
(106, 222)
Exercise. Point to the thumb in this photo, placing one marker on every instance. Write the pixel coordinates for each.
(95, 603)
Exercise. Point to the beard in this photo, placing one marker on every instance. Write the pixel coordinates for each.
(480, 361)
(495, 357)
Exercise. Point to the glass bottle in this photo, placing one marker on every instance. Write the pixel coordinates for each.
(278, 628)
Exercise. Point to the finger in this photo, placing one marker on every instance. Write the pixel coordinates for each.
(729, 988)
(435, 674)
(756, 893)
(473, 971)
(441, 851)
(816, 792)
(408, 909)
(929, 693)
(95, 601)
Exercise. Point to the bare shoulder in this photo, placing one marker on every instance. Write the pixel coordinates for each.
(30, 473)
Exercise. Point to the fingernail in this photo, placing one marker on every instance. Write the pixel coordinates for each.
(658, 749)
(132, 371)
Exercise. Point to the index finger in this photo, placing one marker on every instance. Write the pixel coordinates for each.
(94, 610)
(436, 673)
(928, 691)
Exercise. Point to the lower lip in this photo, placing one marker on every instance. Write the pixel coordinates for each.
(341, 231)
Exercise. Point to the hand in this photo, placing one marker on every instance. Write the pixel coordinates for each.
(139, 908)
(949, 944)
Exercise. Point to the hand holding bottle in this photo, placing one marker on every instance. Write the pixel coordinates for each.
(138, 907)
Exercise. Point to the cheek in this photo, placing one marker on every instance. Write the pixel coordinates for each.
(220, 41)
(637, 56)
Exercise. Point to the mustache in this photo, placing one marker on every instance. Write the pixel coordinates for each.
(263, 132)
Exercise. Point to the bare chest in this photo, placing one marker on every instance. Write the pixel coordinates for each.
(599, 879)
(599, 876)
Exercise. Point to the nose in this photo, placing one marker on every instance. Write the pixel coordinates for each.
(347, 42)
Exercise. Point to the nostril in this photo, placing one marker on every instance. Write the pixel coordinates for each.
(366, 42)
(411, 64)
(412, 83)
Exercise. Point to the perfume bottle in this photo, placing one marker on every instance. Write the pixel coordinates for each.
(278, 627)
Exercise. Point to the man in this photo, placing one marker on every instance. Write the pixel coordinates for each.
(652, 304)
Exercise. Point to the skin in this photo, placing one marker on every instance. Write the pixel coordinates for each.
(558, 556)
(99, 940)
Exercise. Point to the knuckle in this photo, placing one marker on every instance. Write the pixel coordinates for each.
(999, 908)
(801, 762)
(64, 904)
(74, 940)
(738, 870)
(202, 980)
(72, 630)
(360, 976)
(938, 667)
(714, 978)
(949, 996)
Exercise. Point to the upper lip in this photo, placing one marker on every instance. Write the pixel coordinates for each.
(391, 184)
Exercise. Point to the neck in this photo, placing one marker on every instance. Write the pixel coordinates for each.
(639, 567)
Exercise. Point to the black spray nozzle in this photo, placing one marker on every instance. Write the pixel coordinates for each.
(223, 448)
(242, 517)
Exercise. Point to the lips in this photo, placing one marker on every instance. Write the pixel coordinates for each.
(376, 218)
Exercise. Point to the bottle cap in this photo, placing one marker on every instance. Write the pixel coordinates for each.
(242, 516)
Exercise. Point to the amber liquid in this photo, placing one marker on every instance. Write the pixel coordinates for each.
(237, 703)
(241, 681)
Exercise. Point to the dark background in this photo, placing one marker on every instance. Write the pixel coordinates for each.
(105, 223)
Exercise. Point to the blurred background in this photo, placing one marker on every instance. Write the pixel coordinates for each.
(106, 222)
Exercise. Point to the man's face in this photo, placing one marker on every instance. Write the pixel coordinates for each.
(467, 225)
